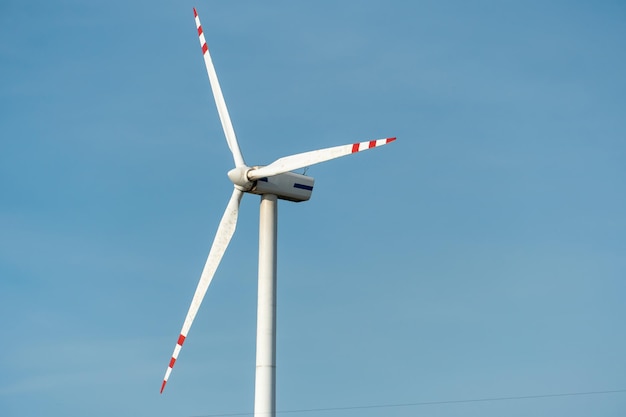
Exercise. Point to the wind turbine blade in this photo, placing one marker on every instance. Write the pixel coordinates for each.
(305, 159)
(222, 238)
(231, 139)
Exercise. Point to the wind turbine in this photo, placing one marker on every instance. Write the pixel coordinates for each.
(271, 182)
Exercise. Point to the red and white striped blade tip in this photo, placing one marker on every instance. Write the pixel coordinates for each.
(363, 146)
(179, 345)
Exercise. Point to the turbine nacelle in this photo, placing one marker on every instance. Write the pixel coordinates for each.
(286, 186)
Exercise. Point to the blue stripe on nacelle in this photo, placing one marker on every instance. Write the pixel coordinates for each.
(303, 187)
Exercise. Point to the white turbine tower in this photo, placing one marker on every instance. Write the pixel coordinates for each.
(271, 182)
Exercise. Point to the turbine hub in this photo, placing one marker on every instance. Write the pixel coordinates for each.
(239, 177)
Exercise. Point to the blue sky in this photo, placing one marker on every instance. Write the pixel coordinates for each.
(480, 255)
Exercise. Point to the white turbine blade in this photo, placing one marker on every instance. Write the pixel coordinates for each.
(305, 159)
(222, 238)
(231, 139)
